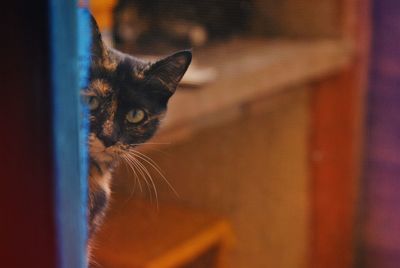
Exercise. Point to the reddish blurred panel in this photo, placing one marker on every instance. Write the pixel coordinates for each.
(27, 233)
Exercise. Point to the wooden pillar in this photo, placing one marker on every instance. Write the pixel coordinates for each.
(336, 147)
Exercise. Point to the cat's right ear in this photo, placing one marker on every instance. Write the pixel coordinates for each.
(170, 70)
(97, 46)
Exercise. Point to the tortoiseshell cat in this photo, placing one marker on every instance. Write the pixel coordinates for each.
(127, 98)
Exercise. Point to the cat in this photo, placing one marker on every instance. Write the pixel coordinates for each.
(127, 99)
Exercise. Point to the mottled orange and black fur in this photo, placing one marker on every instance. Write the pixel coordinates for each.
(127, 98)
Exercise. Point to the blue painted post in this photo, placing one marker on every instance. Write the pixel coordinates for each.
(70, 43)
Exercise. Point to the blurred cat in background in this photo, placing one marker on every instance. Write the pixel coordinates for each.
(158, 25)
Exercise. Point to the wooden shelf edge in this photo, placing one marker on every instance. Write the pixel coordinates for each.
(220, 233)
(180, 234)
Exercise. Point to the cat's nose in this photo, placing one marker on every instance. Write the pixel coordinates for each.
(109, 133)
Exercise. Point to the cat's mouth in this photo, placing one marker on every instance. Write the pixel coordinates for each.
(99, 152)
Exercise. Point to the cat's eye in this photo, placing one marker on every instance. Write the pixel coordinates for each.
(135, 116)
(93, 102)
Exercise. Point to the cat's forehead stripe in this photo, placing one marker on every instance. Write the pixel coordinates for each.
(100, 86)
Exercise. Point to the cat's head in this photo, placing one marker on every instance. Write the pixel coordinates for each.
(127, 97)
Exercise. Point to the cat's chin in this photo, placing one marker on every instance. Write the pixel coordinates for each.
(98, 151)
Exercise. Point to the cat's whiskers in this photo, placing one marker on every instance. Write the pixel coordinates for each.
(133, 188)
(143, 167)
(144, 173)
(154, 165)
(137, 179)
(119, 150)
(150, 143)
(135, 166)
(133, 157)
(152, 148)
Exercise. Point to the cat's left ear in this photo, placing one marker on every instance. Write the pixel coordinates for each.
(97, 46)
(170, 70)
